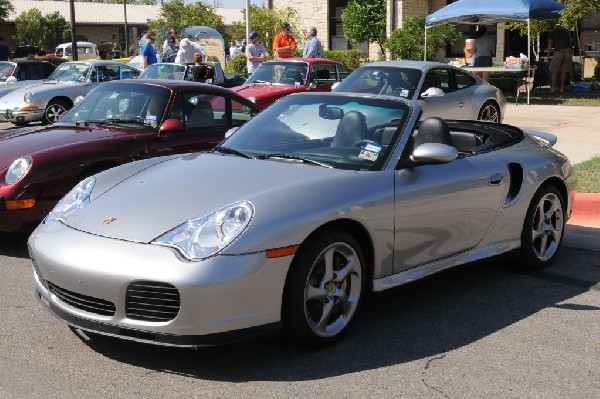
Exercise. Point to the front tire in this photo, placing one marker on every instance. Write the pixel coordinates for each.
(543, 228)
(489, 112)
(53, 111)
(323, 289)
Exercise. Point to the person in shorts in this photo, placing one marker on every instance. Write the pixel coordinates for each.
(560, 56)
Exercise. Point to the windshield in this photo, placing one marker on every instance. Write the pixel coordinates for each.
(6, 71)
(345, 132)
(390, 81)
(285, 73)
(164, 71)
(70, 72)
(135, 106)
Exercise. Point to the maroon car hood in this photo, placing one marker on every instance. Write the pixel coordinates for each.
(28, 141)
(265, 93)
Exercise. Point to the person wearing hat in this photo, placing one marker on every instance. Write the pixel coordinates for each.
(170, 53)
(284, 44)
(255, 53)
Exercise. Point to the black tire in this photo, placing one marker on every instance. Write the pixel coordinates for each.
(53, 111)
(319, 304)
(489, 112)
(542, 236)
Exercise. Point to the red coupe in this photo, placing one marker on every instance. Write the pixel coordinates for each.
(116, 123)
(278, 78)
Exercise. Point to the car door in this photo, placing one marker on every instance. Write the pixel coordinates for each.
(445, 209)
(451, 105)
(323, 75)
(207, 117)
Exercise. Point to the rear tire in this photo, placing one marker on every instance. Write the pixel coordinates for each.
(543, 228)
(323, 289)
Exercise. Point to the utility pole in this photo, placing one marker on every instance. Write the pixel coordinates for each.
(247, 20)
(73, 31)
(126, 33)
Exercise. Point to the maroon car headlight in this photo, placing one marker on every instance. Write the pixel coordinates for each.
(206, 236)
(76, 199)
(17, 170)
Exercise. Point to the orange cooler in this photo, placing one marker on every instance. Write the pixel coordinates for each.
(469, 43)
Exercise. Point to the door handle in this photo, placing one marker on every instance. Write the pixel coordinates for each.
(461, 103)
(496, 179)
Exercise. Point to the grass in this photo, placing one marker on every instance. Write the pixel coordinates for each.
(589, 99)
(588, 176)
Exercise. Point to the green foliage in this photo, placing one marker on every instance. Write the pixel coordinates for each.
(237, 65)
(597, 72)
(30, 28)
(408, 41)
(537, 26)
(57, 30)
(576, 10)
(588, 176)
(365, 20)
(268, 22)
(6, 8)
(350, 58)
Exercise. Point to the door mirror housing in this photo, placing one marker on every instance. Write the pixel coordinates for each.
(172, 126)
(434, 153)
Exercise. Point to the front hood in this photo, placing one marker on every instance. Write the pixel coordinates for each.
(146, 202)
(16, 97)
(260, 90)
(15, 143)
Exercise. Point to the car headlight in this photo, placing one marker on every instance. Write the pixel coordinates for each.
(206, 236)
(28, 97)
(17, 170)
(76, 199)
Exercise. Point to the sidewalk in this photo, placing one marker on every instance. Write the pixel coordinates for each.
(579, 139)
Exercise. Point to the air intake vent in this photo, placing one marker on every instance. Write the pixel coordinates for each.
(83, 302)
(152, 301)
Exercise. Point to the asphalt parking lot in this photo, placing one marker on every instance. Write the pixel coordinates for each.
(479, 331)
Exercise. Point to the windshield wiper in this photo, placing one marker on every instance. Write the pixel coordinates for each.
(227, 150)
(294, 157)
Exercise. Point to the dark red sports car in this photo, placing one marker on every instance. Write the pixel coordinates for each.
(116, 123)
(277, 78)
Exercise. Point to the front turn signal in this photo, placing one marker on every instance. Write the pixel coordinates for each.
(13, 205)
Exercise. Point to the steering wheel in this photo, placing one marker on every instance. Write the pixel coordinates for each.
(362, 142)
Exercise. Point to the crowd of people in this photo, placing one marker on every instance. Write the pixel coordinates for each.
(184, 51)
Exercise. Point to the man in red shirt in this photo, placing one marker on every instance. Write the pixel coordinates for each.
(284, 44)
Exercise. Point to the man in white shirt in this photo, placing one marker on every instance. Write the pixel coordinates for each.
(234, 50)
(187, 49)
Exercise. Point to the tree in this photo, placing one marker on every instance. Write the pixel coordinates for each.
(6, 8)
(365, 20)
(30, 28)
(268, 23)
(408, 41)
(576, 10)
(58, 30)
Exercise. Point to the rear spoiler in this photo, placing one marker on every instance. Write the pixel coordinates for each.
(545, 138)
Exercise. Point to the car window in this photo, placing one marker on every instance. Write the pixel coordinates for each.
(241, 113)
(463, 79)
(129, 73)
(164, 71)
(324, 73)
(6, 70)
(438, 77)
(280, 72)
(134, 106)
(389, 81)
(343, 73)
(72, 71)
(107, 73)
(200, 110)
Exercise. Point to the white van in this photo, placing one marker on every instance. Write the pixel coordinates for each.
(85, 51)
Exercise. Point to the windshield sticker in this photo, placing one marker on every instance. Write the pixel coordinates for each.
(370, 152)
(151, 117)
(404, 93)
(372, 147)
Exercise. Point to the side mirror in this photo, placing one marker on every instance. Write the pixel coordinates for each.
(11, 80)
(312, 85)
(433, 92)
(434, 153)
(172, 126)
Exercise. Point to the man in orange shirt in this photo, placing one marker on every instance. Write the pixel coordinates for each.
(284, 44)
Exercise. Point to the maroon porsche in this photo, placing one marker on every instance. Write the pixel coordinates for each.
(116, 123)
(277, 78)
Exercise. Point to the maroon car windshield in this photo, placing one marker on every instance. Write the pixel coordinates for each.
(133, 106)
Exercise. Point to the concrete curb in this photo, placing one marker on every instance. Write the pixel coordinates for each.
(586, 210)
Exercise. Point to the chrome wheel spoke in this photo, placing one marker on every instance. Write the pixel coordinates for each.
(317, 293)
(328, 258)
(321, 325)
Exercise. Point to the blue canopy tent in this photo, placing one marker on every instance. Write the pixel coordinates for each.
(486, 12)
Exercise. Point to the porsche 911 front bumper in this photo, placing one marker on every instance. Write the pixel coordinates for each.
(147, 293)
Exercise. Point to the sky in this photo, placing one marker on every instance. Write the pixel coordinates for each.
(231, 3)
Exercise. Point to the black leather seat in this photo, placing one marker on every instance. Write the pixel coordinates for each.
(433, 130)
(352, 128)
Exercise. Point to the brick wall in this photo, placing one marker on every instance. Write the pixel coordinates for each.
(310, 13)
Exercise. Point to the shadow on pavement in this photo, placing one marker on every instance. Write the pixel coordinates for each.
(414, 322)
(14, 244)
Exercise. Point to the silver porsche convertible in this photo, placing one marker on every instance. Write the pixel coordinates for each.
(293, 219)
